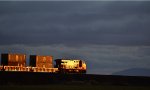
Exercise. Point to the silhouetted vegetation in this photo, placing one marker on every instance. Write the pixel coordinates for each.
(77, 80)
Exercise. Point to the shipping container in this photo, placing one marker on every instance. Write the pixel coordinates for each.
(16, 64)
(13, 59)
(44, 65)
(41, 61)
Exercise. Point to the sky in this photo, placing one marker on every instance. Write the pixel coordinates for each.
(110, 36)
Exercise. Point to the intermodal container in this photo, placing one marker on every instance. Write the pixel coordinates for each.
(41, 61)
(13, 59)
(44, 65)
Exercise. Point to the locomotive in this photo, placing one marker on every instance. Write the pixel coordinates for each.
(71, 66)
(38, 63)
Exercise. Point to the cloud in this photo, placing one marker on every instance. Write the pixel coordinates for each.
(69, 23)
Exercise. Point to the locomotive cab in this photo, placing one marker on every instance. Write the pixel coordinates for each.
(70, 66)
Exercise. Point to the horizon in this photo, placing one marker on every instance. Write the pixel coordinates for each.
(111, 36)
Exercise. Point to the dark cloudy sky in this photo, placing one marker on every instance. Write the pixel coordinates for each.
(110, 36)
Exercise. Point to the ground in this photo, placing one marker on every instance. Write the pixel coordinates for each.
(74, 87)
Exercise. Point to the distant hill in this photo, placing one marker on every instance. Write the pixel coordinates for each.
(134, 72)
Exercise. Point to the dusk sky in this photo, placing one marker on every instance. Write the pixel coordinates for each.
(110, 36)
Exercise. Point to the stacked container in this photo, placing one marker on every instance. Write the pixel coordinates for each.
(41, 61)
(13, 59)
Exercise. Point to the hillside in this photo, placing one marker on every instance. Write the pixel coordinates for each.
(134, 72)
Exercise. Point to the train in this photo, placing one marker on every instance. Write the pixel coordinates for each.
(40, 63)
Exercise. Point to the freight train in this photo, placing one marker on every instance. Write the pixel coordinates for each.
(38, 63)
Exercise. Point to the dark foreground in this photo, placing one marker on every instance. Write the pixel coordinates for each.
(74, 87)
(47, 81)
